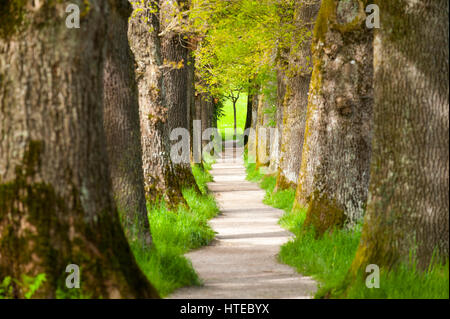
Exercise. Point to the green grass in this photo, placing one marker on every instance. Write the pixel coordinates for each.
(328, 258)
(405, 282)
(225, 123)
(283, 199)
(175, 232)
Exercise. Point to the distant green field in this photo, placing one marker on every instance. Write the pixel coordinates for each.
(227, 122)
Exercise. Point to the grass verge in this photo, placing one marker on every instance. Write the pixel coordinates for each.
(404, 282)
(175, 232)
(328, 258)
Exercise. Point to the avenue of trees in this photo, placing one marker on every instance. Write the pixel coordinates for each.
(363, 118)
(354, 118)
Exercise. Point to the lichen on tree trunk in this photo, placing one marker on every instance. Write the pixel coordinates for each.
(190, 94)
(205, 110)
(56, 205)
(337, 147)
(408, 206)
(248, 117)
(159, 175)
(174, 51)
(275, 146)
(295, 98)
(252, 136)
(263, 132)
(121, 123)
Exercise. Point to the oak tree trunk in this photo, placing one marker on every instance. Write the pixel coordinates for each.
(197, 143)
(159, 176)
(206, 109)
(252, 136)
(275, 147)
(191, 97)
(334, 173)
(214, 106)
(298, 75)
(174, 52)
(248, 117)
(263, 131)
(408, 207)
(234, 120)
(56, 205)
(121, 123)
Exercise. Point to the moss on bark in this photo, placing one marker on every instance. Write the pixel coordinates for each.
(41, 232)
(337, 139)
(283, 183)
(11, 16)
(323, 214)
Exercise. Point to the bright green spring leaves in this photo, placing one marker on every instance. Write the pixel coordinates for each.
(239, 41)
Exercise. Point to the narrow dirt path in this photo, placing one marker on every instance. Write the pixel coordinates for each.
(242, 261)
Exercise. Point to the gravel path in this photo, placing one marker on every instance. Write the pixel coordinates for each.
(242, 261)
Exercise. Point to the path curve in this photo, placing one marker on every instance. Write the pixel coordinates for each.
(242, 260)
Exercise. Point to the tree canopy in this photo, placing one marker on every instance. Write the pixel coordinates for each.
(240, 41)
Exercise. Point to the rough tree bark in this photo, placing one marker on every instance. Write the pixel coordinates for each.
(203, 109)
(197, 143)
(121, 124)
(174, 52)
(191, 97)
(252, 136)
(206, 109)
(159, 176)
(263, 131)
(334, 173)
(298, 75)
(275, 147)
(248, 117)
(408, 207)
(214, 107)
(56, 205)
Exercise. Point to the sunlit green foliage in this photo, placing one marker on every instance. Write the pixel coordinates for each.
(30, 285)
(240, 40)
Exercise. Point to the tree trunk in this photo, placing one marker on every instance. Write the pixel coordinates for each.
(56, 206)
(175, 81)
(263, 132)
(191, 99)
(248, 117)
(234, 118)
(204, 109)
(197, 138)
(252, 137)
(298, 76)
(408, 204)
(159, 177)
(214, 106)
(121, 123)
(275, 147)
(334, 173)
